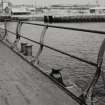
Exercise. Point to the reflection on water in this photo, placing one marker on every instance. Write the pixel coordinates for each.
(82, 44)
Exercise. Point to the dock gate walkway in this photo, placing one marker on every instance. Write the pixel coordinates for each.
(23, 83)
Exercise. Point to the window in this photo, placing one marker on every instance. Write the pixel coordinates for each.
(92, 10)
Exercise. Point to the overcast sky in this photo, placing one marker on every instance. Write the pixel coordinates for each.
(49, 2)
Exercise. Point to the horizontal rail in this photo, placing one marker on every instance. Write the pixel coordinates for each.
(57, 50)
(62, 52)
(68, 28)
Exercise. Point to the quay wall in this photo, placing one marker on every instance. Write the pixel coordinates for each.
(76, 19)
(58, 19)
(3, 18)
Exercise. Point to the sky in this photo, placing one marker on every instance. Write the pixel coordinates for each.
(50, 2)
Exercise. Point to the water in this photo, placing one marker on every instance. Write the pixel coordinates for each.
(82, 44)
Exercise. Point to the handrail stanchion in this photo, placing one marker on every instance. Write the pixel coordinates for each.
(5, 27)
(98, 72)
(18, 31)
(36, 58)
(103, 77)
(100, 60)
(2, 37)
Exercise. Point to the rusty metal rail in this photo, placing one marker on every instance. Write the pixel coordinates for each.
(41, 43)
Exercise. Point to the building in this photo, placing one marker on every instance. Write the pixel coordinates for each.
(97, 10)
(20, 11)
(69, 9)
(5, 8)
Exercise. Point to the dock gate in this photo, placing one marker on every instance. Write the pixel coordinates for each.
(25, 51)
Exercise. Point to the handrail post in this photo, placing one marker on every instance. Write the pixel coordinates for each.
(98, 72)
(100, 60)
(5, 30)
(36, 58)
(103, 77)
(5, 26)
(18, 30)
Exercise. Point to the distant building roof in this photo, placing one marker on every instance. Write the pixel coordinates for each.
(75, 6)
(19, 10)
(98, 8)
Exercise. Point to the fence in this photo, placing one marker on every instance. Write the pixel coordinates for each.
(35, 60)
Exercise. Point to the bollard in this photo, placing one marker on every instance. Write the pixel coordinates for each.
(28, 50)
(23, 47)
(48, 19)
(45, 19)
(57, 75)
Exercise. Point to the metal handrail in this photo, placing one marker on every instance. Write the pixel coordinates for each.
(77, 99)
(61, 27)
(41, 43)
(57, 50)
(67, 28)
(101, 51)
(62, 52)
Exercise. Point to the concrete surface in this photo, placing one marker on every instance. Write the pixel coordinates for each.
(21, 84)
